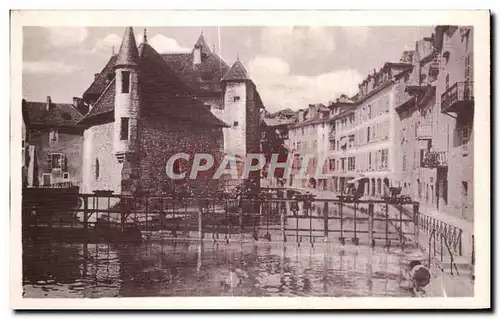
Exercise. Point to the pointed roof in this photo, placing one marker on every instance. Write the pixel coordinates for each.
(164, 95)
(236, 73)
(128, 54)
(202, 44)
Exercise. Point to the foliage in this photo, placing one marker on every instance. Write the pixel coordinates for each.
(431, 160)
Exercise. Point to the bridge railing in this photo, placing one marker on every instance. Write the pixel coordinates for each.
(272, 218)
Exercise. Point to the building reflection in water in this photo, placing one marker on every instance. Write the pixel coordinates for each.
(168, 268)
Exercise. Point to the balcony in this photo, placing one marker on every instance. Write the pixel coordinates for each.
(433, 68)
(424, 132)
(436, 159)
(458, 97)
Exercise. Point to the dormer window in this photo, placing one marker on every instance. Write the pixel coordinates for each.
(53, 135)
(125, 82)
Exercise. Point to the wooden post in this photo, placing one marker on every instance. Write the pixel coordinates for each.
(282, 223)
(200, 223)
(325, 221)
(415, 224)
(240, 220)
(370, 225)
(85, 213)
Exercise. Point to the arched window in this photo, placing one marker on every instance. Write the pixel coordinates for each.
(96, 169)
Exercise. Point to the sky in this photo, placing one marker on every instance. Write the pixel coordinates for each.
(291, 66)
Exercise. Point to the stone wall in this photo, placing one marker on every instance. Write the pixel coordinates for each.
(160, 140)
(101, 170)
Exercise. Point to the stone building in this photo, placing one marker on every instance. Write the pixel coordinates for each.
(455, 117)
(143, 115)
(146, 107)
(341, 166)
(52, 142)
(415, 108)
(436, 119)
(363, 133)
(308, 137)
(275, 142)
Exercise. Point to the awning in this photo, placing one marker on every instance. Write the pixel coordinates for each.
(352, 181)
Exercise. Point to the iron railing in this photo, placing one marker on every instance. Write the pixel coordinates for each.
(424, 132)
(277, 216)
(458, 92)
(66, 184)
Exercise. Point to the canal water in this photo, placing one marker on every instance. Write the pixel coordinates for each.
(166, 268)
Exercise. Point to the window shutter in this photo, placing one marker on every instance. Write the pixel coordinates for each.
(65, 163)
(49, 160)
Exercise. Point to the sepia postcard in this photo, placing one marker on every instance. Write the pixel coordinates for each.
(250, 159)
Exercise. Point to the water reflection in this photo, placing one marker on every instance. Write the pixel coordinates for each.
(211, 269)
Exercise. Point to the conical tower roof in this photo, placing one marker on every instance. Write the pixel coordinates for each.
(236, 73)
(128, 54)
(202, 44)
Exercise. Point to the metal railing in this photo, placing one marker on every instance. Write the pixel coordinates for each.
(434, 250)
(434, 159)
(424, 132)
(460, 91)
(65, 184)
(452, 235)
(281, 216)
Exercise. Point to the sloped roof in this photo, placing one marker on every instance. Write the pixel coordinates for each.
(58, 115)
(105, 103)
(270, 122)
(161, 90)
(236, 73)
(128, 55)
(204, 77)
(102, 80)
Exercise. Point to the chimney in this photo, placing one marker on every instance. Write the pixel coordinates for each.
(301, 115)
(96, 75)
(49, 103)
(76, 102)
(196, 55)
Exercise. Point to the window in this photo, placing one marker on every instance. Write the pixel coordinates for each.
(236, 98)
(369, 160)
(422, 156)
(235, 123)
(351, 163)
(315, 144)
(66, 176)
(368, 134)
(447, 86)
(351, 141)
(302, 131)
(369, 111)
(384, 156)
(124, 129)
(125, 82)
(404, 163)
(96, 169)
(465, 189)
(342, 164)
(332, 145)
(46, 179)
(53, 135)
(56, 161)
